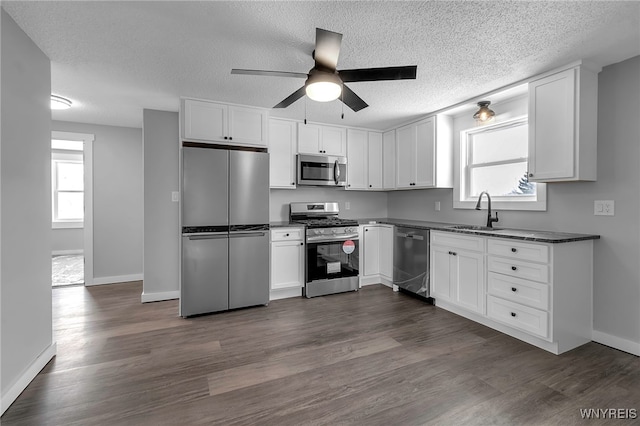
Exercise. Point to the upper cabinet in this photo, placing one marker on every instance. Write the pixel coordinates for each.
(282, 154)
(389, 160)
(320, 139)
(424, 154)
(563, 126)
(217, 122)
(364, 155)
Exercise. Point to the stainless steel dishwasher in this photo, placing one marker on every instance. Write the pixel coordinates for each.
(411, 260)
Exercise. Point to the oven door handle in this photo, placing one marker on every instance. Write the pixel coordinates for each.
(328, 238)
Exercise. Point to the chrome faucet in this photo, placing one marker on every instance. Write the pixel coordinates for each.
(490, 219)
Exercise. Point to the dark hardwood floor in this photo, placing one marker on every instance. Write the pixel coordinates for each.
(372, 357)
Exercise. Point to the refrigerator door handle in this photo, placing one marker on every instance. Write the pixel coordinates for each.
(211, 236)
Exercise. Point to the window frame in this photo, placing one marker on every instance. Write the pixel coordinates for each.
(64, 156)
(463, 168)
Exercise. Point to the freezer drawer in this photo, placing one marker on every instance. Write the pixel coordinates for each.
(248, 269)
(205, 274)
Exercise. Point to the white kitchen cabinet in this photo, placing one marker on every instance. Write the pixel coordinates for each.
(217, 122)
(563, 126)
(425, 154)
(364, 156)
(357, 173)
(389, 160)
(376, 254)
(287, 262)
(282, 153)
(321, 139)
(457, 272)
(537, 292)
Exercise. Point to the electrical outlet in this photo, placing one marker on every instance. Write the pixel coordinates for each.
(175, 196)
(437, 206)
(603, 207)
(347, 205)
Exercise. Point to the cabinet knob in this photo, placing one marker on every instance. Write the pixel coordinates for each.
(286, 235)
(230, 137)
(514, 289)
(530, 174)
(366, 230)
(514, 250)
(301, 244)
(513, 314)
(370, 186)
(453, 253)
(293, 183)
(226, 137)
(513, 268)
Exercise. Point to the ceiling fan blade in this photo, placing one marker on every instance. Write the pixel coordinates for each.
(378, 74)
(327, 49)
(292, 98)
(352, 100)
(269, 73)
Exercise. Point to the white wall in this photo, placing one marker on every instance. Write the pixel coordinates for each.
(570, 208)
(363, 204)
(26, 342)
(161, 221)
(64, 240)
(117, 200)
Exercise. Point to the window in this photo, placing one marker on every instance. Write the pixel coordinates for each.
(67, 183)
(493, 158)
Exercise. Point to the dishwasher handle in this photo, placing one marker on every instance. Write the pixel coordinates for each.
(410, 236)
(206, 236)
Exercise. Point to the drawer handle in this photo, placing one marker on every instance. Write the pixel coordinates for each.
(286, 235)
(513, 314)
(514, 250)
(513, 289)
(513, 268)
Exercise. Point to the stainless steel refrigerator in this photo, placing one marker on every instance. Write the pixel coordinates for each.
(225, 230)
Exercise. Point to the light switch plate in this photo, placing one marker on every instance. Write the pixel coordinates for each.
(347, 205)
(437, 206)
(603, 207)
(175, 196)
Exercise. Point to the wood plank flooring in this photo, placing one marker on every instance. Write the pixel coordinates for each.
(372, 357)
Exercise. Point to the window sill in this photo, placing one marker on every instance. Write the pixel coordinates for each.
(524, 205)
(66, 225)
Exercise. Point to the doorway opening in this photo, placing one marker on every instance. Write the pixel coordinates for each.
(71, 208)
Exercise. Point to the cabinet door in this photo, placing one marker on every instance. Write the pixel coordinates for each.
(205, 120)
(424, 154)
(469, 280)
(286, 264)
(309, 138)
(405, 149)
(371, 245)
(282, 154)
(441, 273)
(386, 252)
(333, 141)
(374, 155)
(357, 159)
(389, 160)
(247, 126)
(551, 127)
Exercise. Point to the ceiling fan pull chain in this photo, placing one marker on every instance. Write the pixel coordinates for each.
(342, 99)
(305, 110)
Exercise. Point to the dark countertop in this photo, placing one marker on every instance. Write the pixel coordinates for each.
(509, 233)
(285, 225)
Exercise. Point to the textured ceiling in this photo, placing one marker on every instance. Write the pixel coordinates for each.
(115, 58)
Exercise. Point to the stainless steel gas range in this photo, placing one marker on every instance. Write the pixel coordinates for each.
(332, 248)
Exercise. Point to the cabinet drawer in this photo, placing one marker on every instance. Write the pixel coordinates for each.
(528, 293)
(518, 268)
(519, 316)
(517, 250)
(286, 234)
(453, 240)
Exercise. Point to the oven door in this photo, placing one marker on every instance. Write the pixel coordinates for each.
(322, 170)
(332, 265)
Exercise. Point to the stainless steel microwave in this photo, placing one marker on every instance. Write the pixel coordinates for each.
(324, 170)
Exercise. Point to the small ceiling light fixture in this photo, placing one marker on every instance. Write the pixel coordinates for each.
(58, 102)
(484, 114)
(323, 86)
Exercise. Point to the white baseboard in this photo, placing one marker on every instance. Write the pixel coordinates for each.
(66, 252)
(616, 342)
(115, 279)
(159, 296)
(285, 293)
(30, 373)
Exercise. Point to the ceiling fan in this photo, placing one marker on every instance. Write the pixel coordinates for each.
(325, 83)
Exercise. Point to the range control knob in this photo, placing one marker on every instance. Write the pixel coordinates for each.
(335, 231)
(317, 231)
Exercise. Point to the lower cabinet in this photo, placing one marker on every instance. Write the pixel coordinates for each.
(536, 292)
(457, 273)
(376, 254)
(287, 263)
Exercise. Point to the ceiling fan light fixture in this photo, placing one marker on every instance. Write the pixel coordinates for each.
(323, 86)
(484, 114)
(58, 102)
